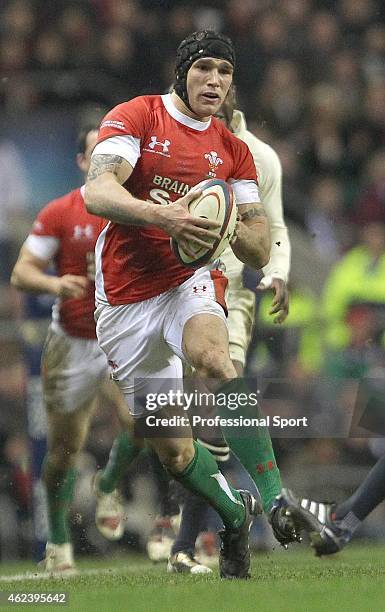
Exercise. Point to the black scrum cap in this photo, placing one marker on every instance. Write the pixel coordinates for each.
(205, 43)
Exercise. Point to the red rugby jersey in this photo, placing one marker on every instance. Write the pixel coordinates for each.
(74, 232)
(170, 153)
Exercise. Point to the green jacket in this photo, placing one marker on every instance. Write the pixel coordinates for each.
(356, 279)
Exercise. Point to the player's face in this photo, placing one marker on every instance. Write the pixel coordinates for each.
(91, 140)
(84, 159)
(208, 82)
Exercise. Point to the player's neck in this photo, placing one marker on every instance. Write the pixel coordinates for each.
(182, 108)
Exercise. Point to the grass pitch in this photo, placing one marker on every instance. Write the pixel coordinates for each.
(293, 581)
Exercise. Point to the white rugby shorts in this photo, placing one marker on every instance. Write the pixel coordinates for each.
(72, 369)
(143, 340)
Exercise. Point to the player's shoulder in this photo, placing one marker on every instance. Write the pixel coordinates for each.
(227, 136)
(64, 202)
(132, 117)
(262, 150)
(139, 103)
(54, 216)
(259, 148)
(223, 131)
(262, 146)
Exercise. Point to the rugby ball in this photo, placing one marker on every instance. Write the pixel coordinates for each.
(216, 203)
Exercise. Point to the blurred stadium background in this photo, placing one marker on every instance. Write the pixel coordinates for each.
(311, 80)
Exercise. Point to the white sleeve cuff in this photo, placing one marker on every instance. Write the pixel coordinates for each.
(279, 264)
(245, 191)
(267, 280)
(127, 147)
(43, 247)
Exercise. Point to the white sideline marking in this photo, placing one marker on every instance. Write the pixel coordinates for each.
(59, 576)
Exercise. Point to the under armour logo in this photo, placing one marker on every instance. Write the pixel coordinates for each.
(202, 288)
(214, 162)
(83, 232)
(154, 143)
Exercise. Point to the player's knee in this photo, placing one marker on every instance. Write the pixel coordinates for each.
(213, 363)
(177, 459)
(63, 457)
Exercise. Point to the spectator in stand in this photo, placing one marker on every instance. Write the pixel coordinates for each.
(282, 96)
(19, 19)
(118, 54)
(370, 204)
(77, 25)
(324, 151)
(373, 110)
(14, 197)
(294, 185)
(50, 52)
(347, 79)
(374, 52)
(357, 279)
(323, 36)
(325, 218)
(356, 16)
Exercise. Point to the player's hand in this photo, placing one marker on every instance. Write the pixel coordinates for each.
(280, 303)
(71, 286)
(185, 228)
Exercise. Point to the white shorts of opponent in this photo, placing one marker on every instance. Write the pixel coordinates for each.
(73, 370)
(143, 340)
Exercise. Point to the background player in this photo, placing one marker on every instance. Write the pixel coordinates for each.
(73, 366)
(241, 316)
(151, 311)
(330, 525)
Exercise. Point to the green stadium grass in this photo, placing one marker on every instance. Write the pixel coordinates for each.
(294, 581)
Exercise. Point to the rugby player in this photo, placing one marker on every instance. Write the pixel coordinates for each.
(152, 312)
(74, 368)
(241, 316)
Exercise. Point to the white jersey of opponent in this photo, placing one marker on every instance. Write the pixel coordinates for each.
(269, 173)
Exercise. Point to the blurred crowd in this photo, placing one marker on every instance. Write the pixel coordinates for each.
(310, 78)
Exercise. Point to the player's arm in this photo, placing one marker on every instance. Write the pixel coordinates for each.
(29, 274)
(276, 272)
(252, 241)
(106, 197)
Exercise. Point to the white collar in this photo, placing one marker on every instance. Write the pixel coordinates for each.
(170, 107)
